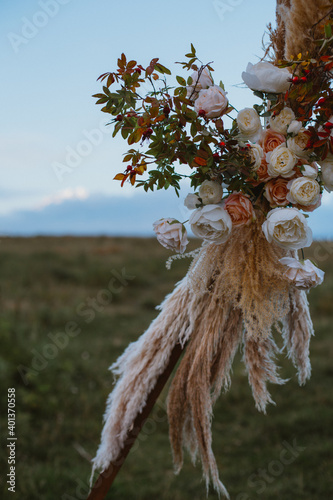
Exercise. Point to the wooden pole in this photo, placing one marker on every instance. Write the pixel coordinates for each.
(106, 478)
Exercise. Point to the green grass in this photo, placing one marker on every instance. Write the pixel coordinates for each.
(47, 285)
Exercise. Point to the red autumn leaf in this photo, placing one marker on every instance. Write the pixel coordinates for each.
(320, 143)
(200, 161)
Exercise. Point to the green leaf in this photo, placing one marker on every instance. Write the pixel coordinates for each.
(328, 30)
(116, 129)
(127, 157)
(181, 81)
(259, 94)
(162, 69)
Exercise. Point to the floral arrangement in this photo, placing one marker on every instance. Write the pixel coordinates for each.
(253, 186)
(280, 168)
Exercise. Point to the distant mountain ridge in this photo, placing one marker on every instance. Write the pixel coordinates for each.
(118, 216)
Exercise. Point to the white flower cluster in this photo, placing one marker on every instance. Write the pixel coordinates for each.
(280, 163)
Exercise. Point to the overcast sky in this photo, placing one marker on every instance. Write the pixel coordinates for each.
(52, 51)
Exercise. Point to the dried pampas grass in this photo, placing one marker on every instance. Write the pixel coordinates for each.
(298, 25)
(234, 295)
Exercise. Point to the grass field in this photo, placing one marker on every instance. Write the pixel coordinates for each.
(60, 330)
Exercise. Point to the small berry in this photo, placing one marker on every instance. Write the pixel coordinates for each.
(222, 144)
(166, 110)
(304, 79)
(328, 125)
(119, 118)
(216, 156)
(202, 112)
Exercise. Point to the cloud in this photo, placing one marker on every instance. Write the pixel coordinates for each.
(77, 193)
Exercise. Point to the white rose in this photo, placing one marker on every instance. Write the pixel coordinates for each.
(302, 275)
(310, 171)
(249, 124)
(279, 123)
(211, 223)
(304, 191)
(198, 83)
(287, 227)
(281, 161)
(266, 77)
(298, 144)
(294, 127)
(171, 234)
(210, 192)
(192, 201)
(212, 101)
(256, 155)
(327, 174)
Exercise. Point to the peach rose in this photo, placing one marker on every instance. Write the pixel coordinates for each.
(240, 209)
(276, 191)
(271, 140)
(262, 172)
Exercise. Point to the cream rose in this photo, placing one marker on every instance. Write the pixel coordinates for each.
(304, 191)
(171, 234)
(294, 127)
(256, 154)
(298, 143)
(192, 201)
(303, 275)
(199, 82)
(240, 209)
(327, 174)
(279, 123)
(249, 124)
(287, 227)
(212, 101)
(266, 77)
(310, 170)
(210, 192)
(211, 223)
(281, 161)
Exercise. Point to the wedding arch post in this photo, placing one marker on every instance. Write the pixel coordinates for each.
(105, 479)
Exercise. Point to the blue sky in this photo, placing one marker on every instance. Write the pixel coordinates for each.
(52, 51)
